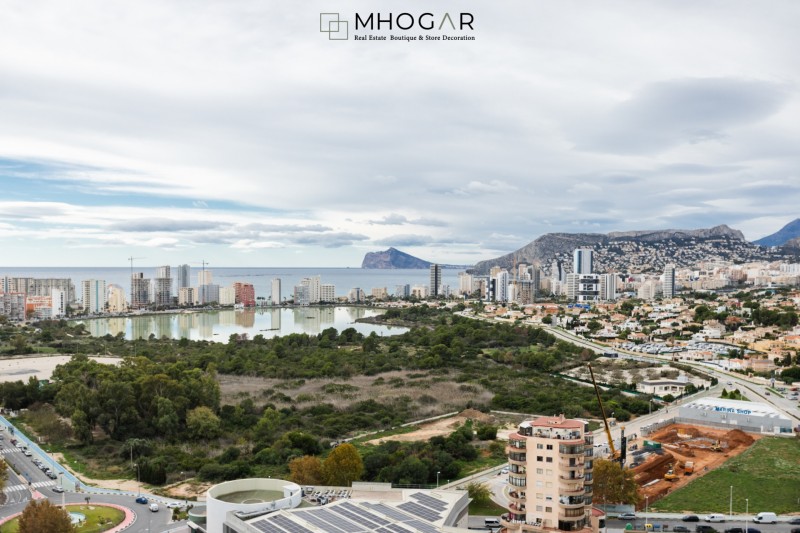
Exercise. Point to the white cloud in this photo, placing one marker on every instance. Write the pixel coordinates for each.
(233, 126)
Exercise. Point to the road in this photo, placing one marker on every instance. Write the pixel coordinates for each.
(32, 478)
(752, 387)
(671, 520)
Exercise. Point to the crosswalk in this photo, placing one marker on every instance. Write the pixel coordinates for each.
(24, 486)
(4, 451)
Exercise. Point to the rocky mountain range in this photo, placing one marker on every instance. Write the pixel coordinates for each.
(782, 236)
(640, 251)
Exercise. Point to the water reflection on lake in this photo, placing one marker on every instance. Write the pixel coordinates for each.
(220, 325)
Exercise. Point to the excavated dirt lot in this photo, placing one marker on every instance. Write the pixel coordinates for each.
(681, 443)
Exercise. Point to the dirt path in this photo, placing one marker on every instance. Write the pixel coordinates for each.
(437, 428)
(118, 484)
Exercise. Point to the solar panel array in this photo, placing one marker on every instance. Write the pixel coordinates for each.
(329, 522)
(347, 517)
(429, 501)
(420, 510)
(278, 523)
(422, 526)
(392, 528)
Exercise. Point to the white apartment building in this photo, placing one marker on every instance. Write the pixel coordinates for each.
(116, 299)
(59, 303)
(550, 477)
(276, 291)
(94, 295)
(465, 283)
(608, 287)
(227, 296)
(187, 296)
(327, 292)
(380, 293)
(356, 294)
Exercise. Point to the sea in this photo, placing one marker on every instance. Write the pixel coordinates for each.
(344, 279)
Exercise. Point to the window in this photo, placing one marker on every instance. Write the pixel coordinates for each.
(539, 458)
(549, 446)
(539, 446)
(549, 460)
(539, 484)
(549, 472)
(539, 495)
(549, 484)
(539, 508)
(548, 509)
(539, 471)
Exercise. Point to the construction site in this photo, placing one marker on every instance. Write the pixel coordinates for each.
(674, 455)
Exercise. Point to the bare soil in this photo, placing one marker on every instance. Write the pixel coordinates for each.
(442, 427)
(681, 443)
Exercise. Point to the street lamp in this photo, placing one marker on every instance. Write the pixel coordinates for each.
(437, 479)
(730, 505)
(746, 511)
(138, 485)
(61, 485)
(646, 506)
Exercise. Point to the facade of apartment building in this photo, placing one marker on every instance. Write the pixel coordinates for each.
(550, 477)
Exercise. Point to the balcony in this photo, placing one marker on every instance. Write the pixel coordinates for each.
(571, 501)
(516, 444)
(572, 476)
(572, 514)
(521, 458)
(521, 481)
(576, 450)
(517, 496)
(574, 489)
(588, 438)
(571, 463)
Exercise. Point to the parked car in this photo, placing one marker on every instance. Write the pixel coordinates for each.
(175, 505)
(715, 517)
(741, 530)
(58, 488)
(795, 530)
(141, 499)
(766, 518)
(504, 471)
(690, 518)
(701, 528)
(795, 521)
(680, 529)
(627, 516)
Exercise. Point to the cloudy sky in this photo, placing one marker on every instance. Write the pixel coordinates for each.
(235, 132)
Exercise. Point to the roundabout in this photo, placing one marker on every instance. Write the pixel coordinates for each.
(94, 518)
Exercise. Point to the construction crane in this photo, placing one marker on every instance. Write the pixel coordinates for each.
(616, 455)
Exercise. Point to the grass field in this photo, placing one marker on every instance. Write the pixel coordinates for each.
(768, 475)
(489, 509)
(109, 516)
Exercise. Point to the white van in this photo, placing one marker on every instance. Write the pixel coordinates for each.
(765, 518)
(491, 522)
(715, 517)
